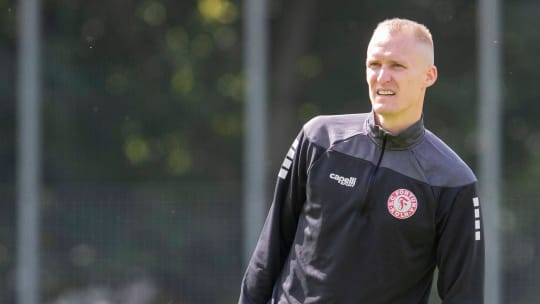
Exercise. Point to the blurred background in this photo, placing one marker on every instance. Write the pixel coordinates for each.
(142, 133)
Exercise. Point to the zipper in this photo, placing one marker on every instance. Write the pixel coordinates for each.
(371, 180)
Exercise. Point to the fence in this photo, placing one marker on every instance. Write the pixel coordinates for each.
(134, 244)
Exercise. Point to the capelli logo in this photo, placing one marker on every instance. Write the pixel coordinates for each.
(344, 181)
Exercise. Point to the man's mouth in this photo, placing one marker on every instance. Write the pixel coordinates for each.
(386, 92)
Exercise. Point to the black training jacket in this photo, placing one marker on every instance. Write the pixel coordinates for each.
(361, 216)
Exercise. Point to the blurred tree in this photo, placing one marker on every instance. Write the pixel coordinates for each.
(132, 80)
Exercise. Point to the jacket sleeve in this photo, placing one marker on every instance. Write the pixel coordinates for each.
(460, 248)
(279, 228)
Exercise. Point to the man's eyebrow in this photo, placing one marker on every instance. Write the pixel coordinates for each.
(390, 61)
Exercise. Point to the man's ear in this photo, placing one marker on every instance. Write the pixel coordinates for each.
(431, 76)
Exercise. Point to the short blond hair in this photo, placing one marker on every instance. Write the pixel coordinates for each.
(395, 25)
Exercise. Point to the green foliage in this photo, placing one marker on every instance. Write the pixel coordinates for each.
(127, 83)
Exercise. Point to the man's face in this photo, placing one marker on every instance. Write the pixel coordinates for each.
(398, 71)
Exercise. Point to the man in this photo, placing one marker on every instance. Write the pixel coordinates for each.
(367, 205)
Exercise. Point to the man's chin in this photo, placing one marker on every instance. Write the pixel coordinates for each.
(383, 109)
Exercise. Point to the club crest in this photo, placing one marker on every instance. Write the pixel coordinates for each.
(402, 204)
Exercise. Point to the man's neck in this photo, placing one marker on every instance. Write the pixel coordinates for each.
(395, 125)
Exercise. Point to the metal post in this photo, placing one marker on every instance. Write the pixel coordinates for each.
(489, 60)
(28, 151)
(255, 151)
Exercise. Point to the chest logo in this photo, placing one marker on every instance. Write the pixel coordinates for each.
(402, 204)
(344, 181)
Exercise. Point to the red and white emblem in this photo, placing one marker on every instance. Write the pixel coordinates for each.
(402, 204)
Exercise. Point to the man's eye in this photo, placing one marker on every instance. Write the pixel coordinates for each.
(397, 65)
(374, 64)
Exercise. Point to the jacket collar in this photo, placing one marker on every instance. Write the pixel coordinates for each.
(405, 139)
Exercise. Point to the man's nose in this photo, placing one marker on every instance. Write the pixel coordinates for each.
(383, 75)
